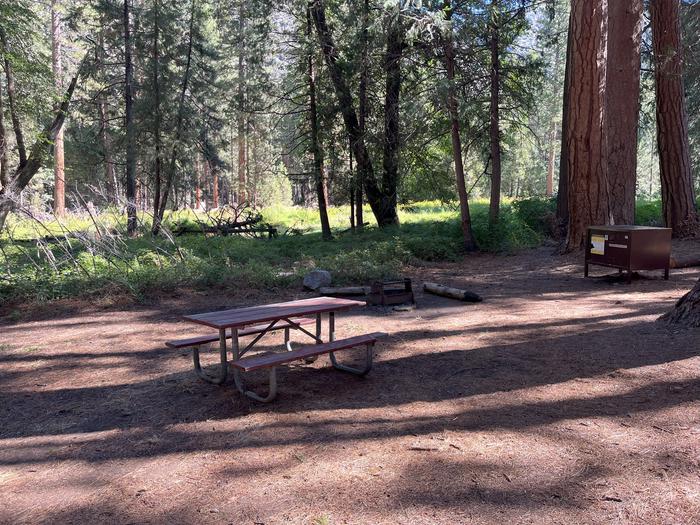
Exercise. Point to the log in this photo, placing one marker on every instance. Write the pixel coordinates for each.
(684, 262)
(344, 290)
(452, 293)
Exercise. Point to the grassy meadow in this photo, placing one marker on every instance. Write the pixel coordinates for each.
(43, 259)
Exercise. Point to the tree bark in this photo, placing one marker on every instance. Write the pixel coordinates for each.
(131, 221)
(551, 137)
(319, 172)
(677, 193)
(12, 99)
(156, 120)
(687, 310)
(241, 123)
(379, 201)
(468, 240)
(495, 120)
(589, 198)
(198, 182)
(39, 155)
(622, 104)
(4, 174)
(392, 143)
(214, 186)
(59, 191)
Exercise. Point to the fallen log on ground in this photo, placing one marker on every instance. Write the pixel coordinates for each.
(684, 262)
(344, 290)
(452, 293)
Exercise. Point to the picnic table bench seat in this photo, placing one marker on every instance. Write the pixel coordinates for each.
(272, 360)
(249, 330)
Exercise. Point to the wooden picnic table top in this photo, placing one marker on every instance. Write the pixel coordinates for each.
(239, 317)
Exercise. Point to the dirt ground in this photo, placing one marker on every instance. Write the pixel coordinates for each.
(556, 400)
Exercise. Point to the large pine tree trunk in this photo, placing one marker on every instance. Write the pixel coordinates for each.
(622, 104)
(319, 171)
(131, 221)
(687, 309)
(59, 190)
(384, 213)
(495, 117)
(588, 190)
(677, 192)
(468, 240)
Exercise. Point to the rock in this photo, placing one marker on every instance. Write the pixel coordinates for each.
(316, 279)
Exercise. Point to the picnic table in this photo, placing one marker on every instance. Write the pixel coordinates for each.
(260, 320)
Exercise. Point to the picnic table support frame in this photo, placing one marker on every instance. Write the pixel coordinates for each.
(238, 380)
(345, 368)
(223, 373)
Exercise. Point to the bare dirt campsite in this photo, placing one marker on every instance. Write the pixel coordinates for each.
(376, 262)
(557, 400)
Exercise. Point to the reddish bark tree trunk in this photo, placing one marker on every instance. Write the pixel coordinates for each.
(563, 190)
(687, 309)
(677, 192)
(622, 104)
(588, 191)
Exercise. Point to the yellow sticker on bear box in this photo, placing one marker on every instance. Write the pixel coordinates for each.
(597, 245)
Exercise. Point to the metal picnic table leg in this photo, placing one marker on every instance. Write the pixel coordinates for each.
(223, 374)
(240, 385)
(344, 368)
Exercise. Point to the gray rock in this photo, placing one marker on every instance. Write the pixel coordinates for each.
(316, 279)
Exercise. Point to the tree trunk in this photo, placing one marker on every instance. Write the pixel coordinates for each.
(687, 310)
(215, 187)
(131, 221)
(363, 109)
(180, 118)
(622, 104)
(156, 120)
(677, 192)
(40, 153)
(551, 137)
(469, 242)
(384, 213)
(392, 68)
(242, 157)
(4, 174)
(198, 182)
(319, 173)
(563, 190)
(110, 172)
(59, 191)
(495, 121)
(589, 199)
(12, 99)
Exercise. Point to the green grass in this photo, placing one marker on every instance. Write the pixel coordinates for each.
(429, 231)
